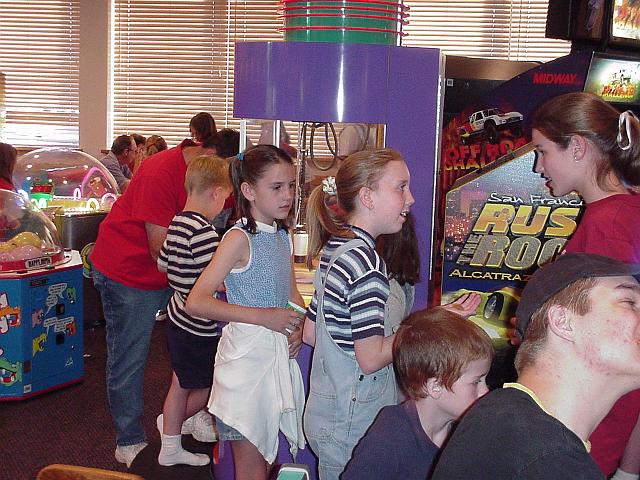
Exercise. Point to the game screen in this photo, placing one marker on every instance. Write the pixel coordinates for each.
(615, 80)
(625, 22)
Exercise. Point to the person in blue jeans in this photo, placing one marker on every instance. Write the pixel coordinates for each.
(130, 285)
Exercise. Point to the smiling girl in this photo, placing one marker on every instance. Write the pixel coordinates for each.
(351, 375)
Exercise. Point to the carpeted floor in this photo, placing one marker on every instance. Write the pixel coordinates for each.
(73, 425)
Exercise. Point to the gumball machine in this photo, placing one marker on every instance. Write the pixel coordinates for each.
(76, 191)
(41, 317)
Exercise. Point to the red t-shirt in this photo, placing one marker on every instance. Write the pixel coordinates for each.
(156, 193)
(610, 227)
(6, 185)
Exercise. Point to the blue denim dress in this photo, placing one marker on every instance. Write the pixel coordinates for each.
(343, 401)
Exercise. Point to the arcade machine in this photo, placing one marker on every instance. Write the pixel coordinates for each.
(77, 191)
(41, 344)
(500, 222)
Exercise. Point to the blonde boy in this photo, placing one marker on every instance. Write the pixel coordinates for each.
(190, 244)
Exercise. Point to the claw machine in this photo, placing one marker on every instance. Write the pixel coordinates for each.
(77, 192)
(41, 327)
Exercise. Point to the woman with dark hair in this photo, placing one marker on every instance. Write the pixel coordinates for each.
(202, 126)
(401, 254)
(8, 158)
(585, 145)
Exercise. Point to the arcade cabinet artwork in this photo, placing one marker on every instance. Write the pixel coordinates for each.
(41, 345)
(501, 223)
(625, 22)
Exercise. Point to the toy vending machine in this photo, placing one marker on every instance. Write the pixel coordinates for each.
(41, 343)
(77, 192)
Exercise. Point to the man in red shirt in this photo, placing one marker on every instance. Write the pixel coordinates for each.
(131, 287)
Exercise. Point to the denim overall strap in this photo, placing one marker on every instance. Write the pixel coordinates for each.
(343, 401)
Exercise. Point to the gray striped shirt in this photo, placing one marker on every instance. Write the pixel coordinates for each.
(355, 294)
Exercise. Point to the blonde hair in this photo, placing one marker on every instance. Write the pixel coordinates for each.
(206, 171)
(360, 169)
(154, 144)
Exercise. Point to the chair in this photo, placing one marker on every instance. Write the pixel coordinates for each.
(73, 472)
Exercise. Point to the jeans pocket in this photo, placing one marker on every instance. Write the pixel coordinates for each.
(319, 416)
(373, 386)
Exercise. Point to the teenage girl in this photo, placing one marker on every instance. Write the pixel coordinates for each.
(257, 389)
(351, 375)
(585, 145)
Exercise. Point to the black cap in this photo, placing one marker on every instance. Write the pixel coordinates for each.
(559, 274)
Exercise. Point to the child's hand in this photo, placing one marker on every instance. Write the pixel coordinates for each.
(295, 342)
(281, 320)
(464, 306)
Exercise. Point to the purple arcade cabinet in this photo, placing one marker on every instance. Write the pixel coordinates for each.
(350, 83)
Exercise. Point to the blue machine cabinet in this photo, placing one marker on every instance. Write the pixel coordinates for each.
(41, 330)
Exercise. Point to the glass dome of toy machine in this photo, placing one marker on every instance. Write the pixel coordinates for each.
(28, 238)
(67, 179)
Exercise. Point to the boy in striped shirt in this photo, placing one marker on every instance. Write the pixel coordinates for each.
(190, 244)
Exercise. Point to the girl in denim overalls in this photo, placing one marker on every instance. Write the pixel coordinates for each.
(257, 388)
(351, 372)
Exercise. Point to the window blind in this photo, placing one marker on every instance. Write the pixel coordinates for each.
(163, 66)
(504, 29)
(175, 58)
(39, 56)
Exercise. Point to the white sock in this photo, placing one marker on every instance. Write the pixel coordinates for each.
(172, 453)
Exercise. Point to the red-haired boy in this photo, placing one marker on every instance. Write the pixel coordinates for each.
(441, 360)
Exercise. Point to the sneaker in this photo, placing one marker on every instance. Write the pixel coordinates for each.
(200, 426)
(126, 453)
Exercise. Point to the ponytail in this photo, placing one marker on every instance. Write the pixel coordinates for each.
(249, 166)
(322, 223)
(626, 164)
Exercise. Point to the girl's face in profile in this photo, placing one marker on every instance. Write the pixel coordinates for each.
(392, 198)
(556, 165)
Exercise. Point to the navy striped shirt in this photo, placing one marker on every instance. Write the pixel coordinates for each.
(190, 244)
(355, 294)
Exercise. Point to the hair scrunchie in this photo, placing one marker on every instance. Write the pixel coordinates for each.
(329, 186)
(624, 126)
